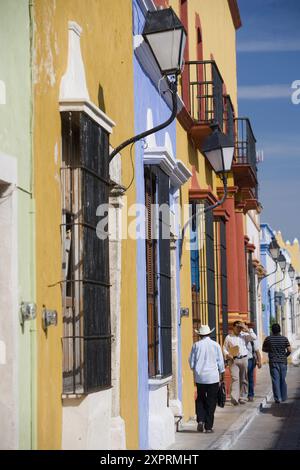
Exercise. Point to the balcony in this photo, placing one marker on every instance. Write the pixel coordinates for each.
(245, 165)
(203, 97)
(228, 127)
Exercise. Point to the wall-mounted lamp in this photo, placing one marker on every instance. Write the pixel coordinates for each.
(274, 249)
(279, 299)
(218, 148)
(27, 311)
(291, 272)
(166, 37)
(49, 317)
(282, 262)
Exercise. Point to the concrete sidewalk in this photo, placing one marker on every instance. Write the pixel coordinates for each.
(229, 423)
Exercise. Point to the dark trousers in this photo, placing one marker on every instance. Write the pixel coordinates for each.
(207, 395)
(278, 374)
(251, 367)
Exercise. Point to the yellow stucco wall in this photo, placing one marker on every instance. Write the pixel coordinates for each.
(292, 248)
(219, 39)
(107, 55)
(294, 251)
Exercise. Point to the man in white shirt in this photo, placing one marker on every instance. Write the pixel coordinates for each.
(206, 361)
(236, 352)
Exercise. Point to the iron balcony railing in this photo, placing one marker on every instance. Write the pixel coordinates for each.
(245, 144)
(229, 118)
(205, 92)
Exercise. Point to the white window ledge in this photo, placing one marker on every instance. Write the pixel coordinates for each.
(90, 109)
(157, 382)
(160, 156)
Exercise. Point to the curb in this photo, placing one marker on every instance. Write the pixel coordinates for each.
(227, 440)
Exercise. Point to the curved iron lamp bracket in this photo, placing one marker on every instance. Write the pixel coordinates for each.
(142, 135)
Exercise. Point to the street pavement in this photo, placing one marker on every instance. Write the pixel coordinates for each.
(229, 421)
(276, 427)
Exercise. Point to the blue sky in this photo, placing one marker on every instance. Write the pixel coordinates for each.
(268, 58)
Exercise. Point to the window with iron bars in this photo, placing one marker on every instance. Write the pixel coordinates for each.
(221, 278)
(158, 274)
(203, 271)
(251, 288)
(209, 273)
(86, 338)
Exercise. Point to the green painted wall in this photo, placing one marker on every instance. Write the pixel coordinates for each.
(15, 140)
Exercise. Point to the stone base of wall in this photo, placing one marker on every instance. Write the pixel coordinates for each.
(87, 422)
(161, 418)
(117, 434)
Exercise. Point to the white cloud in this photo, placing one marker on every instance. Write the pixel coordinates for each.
(264, 92)
(288, 45)
(282, 150)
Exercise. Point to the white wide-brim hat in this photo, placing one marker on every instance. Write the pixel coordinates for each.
(204, 330)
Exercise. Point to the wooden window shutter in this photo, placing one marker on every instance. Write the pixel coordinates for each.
(151, 275)
(87, 297)
(210, 270)
(165, 275)
(224, 277)
(252, 296)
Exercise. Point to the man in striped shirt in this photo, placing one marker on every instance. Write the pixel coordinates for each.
(278, 349)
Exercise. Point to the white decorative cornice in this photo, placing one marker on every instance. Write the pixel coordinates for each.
(73, 83)
(164, 156)
(90, 109)
(73, 93)
(181, 174)
(161, 157)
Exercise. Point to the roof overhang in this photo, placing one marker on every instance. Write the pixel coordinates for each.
(235, 13)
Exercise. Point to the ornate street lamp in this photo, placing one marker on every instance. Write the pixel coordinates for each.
(291, 272)
(166, 37)
(219, 149)
(282, 262)
(274, 249)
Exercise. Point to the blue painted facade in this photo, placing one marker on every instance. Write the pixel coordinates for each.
(267, 295)
(147, 96)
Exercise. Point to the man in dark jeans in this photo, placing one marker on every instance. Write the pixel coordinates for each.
(278, 348)
(206, 361)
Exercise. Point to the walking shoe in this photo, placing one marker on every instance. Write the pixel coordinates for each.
(234, 402)
(250, 398)
(200, 427)
(242, 402)
(277, 401)
(209, 430)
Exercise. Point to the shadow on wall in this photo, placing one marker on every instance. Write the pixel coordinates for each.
(101, 101)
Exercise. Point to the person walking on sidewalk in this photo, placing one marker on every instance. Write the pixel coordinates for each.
(236, 353)
(278, 349)
(206, 361)
(254, 359)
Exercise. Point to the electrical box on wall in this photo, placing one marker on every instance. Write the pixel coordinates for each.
(49, 317)
(27, 311)
(184, 312)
